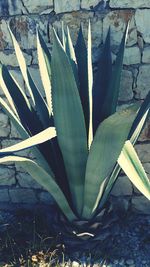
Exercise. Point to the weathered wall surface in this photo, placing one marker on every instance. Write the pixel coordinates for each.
(16, 186)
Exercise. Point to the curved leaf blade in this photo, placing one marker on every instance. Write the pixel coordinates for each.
(111, 96)
(102, 81)
(131, 165)
(69, 121)
(71, 55)
(24, 134)
(81, 56)
(140, 120)
(135, 131)
(38, 101)
(20, 101)
(44, 58)
(106, 147)
(21, 61)
(90, 84)
(37, 139)
(63, 36)
(45, 180)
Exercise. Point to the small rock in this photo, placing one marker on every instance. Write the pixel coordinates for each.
(115, 261)
(66, 6)
(130, 262)
(75, 264)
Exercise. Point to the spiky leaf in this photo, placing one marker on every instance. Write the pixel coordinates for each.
(90, 84)
(106, 147)
(131, 165)
(102, 82)
(81, 56)
(37, 139)
(24, 134)
(69, 121)
(45, 180)
(71, 55)
(135, 131)
(38, 101)
(44, 58)
(111, 96)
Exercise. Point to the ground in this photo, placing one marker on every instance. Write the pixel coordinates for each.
(27, 239)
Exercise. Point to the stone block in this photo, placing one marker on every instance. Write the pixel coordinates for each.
(132, 56)
(26, 181)
(9, 58)
(11, 142)
(38, 6)
(143, 151)
(142, 23)
(24, 28)
(123, 187)
(146, 55)
(25, 31)
(19, 195)
(4, 195)
(34, 57)
(141, 204)
(66, 6)
(7, 176)
(117, 21)
(74, 19)
(13, 132)
(129, 4)
(11, 7)
(5, 39)
(89, 4)
(126, 92)
(143, 81)
(147, 168)
(145, 135)
(4, 125)
(46, 198)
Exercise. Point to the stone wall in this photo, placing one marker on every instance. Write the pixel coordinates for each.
(16, 186)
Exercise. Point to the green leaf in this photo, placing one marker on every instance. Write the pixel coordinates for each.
(140, 120)
(135, 131)
(105, 150)
(109, 183)
(4, 76)
(63, 36)
(71, 55)
(39, 119)
(81, 56)
(45, 180)
(24, 134)
(111, 97)
(69, 121)
(22, 106)
(37, 139)
(44, 58)
(53, 152)
(90, 84)
(102, 82)
(21, 62)
(38, 101)
(131, 165)
(15, 120)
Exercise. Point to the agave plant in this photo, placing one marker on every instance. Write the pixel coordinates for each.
(78, 138)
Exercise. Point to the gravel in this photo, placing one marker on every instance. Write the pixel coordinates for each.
(128, 244)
